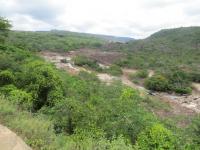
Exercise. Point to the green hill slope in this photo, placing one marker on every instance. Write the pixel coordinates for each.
(57, 40)
(185, 38)
(53, 40)
(172, 47)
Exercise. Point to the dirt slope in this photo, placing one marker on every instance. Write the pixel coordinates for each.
(10, 141)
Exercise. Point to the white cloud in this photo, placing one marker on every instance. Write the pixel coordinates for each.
(116, 17)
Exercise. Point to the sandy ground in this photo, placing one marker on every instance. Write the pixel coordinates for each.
(10, 141)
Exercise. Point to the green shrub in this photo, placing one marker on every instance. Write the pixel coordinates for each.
(156, 138)
(157, 83)
(114, 70)
(6, 77)
(43, 82)
(183, 90)
(86, 62)
(142, 74)
(21, 98)
(7, 89)
(179, 81)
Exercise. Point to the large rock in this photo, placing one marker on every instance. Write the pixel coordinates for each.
(10, 141)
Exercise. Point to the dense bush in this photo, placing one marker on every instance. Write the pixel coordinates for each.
(7, 89)
(156, 138)
(21, 98)
(6, 77)
(142, 74)
(179, 81)
(170, 81)
(157, 83)
(114, 70)
(86, 62)
(116, 112)
(42, 81)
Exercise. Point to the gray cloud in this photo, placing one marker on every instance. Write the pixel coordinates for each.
(37, 9)
(123, 17)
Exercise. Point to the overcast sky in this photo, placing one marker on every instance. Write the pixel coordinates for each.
(135, 18)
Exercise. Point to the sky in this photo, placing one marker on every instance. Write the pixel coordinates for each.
(130, 18)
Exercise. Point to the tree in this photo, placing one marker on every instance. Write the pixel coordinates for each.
(4, 28)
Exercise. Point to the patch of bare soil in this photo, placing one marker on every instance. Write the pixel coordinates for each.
(10, 141)
(57, 58)
(104, 77)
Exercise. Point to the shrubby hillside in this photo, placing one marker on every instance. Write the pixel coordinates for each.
(172, 53)
(51, 109)
(53, 40)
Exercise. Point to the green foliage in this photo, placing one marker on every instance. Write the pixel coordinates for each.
(195, 76)
(6, 77)
(4, 28)
(53, 40)
(7, 89)
(156, 138)
(138, 76)
(174, 80)
(86, 62)
(41, 80)
(115, 112)
(157, 83)
(21, 98)
(114, 70)
(179, 81)
(195, 130)
(142, 74)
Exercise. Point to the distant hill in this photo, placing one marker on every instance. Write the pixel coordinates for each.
(53, 40)
(114, 38)
(165, 49)
(57, 40)
(108, 38)
(169, 39)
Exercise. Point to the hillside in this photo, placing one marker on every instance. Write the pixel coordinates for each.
(171, 47)
(57, 40)
(185, 38)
